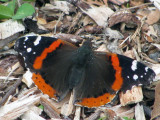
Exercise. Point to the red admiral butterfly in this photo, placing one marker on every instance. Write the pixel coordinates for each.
(59, 67)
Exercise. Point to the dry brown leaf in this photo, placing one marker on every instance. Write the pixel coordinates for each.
(102, 12)
(123, 16)
(105, 2)
(119, 2)
(96, 2)
(74, 39)
(52, 25)
(136, 2)
(64, 6)
(90, 29)
(156, 106)
(153, 15)
(41, 21)
(148, 38)
(7, 63)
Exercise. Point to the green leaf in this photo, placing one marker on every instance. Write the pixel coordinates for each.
(126, 118)
(5, 12)
(4, 0)
(102, 118)
(23, 11)
(41, 106)
(12, 5)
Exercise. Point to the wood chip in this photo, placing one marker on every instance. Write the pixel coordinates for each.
(10, 27)
(139, 112)
(49, 108)
(156, 106)
(33, 114)
(18, 107)
(77, 113)
(67, 109)
(131, 96)
(27, 79)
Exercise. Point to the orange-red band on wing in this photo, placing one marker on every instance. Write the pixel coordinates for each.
(118, 75)
(96, 102)
(39, 60)
(43, 86)
(107, 97)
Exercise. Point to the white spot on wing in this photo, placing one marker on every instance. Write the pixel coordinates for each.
(24, 58)
(34, 52)
(29, 49)
(134, 65)
(146, 69)
(127, 76)
(26, 38)
(24, 46)
(36, 42)
(25, 64)
(141, 76)
(135, 77)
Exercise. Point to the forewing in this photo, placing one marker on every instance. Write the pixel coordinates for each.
(49, 59)
(134, 73)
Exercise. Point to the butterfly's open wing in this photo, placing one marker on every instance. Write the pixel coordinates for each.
(49, 59)
(134, 73)
(106, 74)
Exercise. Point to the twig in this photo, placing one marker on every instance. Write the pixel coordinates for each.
(55, 27)
(138, 6)
(11, 91)
(10, 73)
(8, 78)
(128, 38)
(95, 115)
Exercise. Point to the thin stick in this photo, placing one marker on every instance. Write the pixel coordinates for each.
(145, 4)
(11, 91)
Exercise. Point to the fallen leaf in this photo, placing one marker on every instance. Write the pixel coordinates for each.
(102, 12)
(156, 106)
